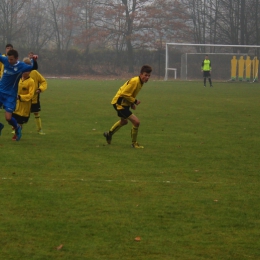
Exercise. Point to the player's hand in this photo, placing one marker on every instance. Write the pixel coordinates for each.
(35, 57)
(138, 102)
(133, 106)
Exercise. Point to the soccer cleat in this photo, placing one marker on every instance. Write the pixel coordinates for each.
(18, 132)
(108, 137)
(14, 138)
(204, 86)
(136, 145)
(1, 128)
(40, 132)
(211, 86)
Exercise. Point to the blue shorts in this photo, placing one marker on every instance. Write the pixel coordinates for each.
(9, 102)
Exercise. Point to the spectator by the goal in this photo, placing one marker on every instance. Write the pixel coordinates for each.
(206, 69)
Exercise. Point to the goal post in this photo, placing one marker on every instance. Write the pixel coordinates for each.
(220, 55)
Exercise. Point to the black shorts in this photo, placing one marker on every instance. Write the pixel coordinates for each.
(124, 113)
(21, 119)
(206, 74)
(35, 108)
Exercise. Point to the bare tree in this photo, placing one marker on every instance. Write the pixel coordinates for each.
(12, 19)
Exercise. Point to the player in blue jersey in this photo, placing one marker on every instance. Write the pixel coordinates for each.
(13, 69)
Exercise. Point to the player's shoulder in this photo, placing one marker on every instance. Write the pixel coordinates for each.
(134, 79)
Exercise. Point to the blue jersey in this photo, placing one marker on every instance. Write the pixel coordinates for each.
(11, 76)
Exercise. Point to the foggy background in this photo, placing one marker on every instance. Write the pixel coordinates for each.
(112, 37)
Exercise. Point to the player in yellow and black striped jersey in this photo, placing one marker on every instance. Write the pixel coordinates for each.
(125, 99)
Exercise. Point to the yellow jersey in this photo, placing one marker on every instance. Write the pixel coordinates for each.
(39, 83)
(25, 94)
(126, 95)
(2, 68)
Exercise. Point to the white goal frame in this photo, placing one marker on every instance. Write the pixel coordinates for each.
(196, 44)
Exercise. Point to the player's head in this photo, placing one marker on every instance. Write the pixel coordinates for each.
(206, 57)
(12, 56)
(8, 47)
(27, 61)
(145, 73)
(30, 54)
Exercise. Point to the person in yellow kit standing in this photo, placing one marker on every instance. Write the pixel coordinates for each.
(125, 99)
(206, 69)
(40, 85)
(24, 100)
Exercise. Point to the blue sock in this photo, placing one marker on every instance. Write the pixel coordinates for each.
(13, 122)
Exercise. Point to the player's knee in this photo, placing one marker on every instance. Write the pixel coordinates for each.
(124, 122)
(136, 123)
(8, 118)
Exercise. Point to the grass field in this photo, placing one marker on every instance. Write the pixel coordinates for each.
(192, 193)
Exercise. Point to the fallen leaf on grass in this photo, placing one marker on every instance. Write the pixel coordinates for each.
(59, 247)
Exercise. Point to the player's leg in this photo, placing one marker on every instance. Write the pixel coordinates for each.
(35, 109)
(108, 135)
(134, 131)
(210, 82)
(1, 125)
(123, 114)
(1, 128)
(38, 122)
(12, 121)
(21, 120)
(204, 78)
(9, 106)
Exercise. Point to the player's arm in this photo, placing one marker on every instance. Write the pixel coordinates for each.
(27, 67)
(43, 83)
(3, 58)
(128, 91)
(1, 69)
(35, 64)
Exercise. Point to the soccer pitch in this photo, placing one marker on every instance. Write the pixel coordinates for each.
(191, 193)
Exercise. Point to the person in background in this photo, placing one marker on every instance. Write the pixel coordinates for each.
(206, 69)
(125, 99)
(32, 56)
(8, 47)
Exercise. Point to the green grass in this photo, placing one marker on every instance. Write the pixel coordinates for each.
(192, 193)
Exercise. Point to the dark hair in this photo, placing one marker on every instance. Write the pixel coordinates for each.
(13, 53)
(146, 68)
(9, 45)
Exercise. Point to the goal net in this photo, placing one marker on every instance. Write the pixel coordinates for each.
(228, 62)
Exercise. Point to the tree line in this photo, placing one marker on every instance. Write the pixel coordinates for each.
(111, 36)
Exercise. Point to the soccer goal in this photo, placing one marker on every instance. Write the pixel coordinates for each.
(183, 60)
